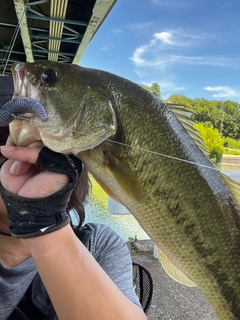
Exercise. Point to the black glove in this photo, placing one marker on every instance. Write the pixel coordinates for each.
(32, 217)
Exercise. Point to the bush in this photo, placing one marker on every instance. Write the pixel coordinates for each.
(231, 143)
(231, 146)
(212, 140)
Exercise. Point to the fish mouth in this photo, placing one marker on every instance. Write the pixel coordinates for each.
(23, 130)
(22, 86)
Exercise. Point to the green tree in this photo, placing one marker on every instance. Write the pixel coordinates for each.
(179, 99)
(154, 89)
(212, 140)
(223, 115)
(230, 122)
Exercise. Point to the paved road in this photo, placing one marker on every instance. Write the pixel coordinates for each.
(234, 174)
(171, 300)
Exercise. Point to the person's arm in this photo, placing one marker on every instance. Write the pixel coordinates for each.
(76, 284)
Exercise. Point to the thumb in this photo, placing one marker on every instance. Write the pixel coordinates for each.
(19, 167)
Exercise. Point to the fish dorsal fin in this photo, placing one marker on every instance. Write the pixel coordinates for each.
(173, 271)
(127, 182)
(185, 118)
(233, 187)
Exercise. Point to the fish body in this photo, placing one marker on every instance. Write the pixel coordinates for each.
(141, 154)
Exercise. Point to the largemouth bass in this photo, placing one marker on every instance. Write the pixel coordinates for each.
(145, 154)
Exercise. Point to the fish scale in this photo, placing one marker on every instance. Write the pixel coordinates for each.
(188, 210)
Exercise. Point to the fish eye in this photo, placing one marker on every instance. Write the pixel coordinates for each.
(48, 77)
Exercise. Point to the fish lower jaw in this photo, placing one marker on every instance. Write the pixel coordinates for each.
(21, 135)
(24, 142)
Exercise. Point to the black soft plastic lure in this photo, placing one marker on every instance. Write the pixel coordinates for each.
(11, 109)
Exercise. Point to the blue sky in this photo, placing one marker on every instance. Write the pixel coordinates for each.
(188, 47)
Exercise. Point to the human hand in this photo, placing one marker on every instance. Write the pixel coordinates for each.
(36, 194)
(22, 176)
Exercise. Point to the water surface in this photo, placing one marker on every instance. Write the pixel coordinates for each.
(97, 211)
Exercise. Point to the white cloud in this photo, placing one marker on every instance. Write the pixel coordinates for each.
(136, 57)
(165, 37)
(173, 4)
(176, 37)
(152, 54)
(165, 61)
(223, 92)
(177, 47)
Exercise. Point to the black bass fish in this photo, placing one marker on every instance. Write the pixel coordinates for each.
(145, 154)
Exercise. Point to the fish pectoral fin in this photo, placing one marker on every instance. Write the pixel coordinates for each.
(124, 177)
(107, 190)
(233, 186)
(174, 272)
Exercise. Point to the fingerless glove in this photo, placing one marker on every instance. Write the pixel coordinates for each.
(32, 217)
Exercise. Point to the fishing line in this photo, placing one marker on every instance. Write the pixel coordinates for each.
(13, 40)
(127, 145)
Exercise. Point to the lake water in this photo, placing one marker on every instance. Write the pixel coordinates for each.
(97, 211)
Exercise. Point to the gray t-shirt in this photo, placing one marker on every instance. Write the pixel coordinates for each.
(106, 246)
(13, 284)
